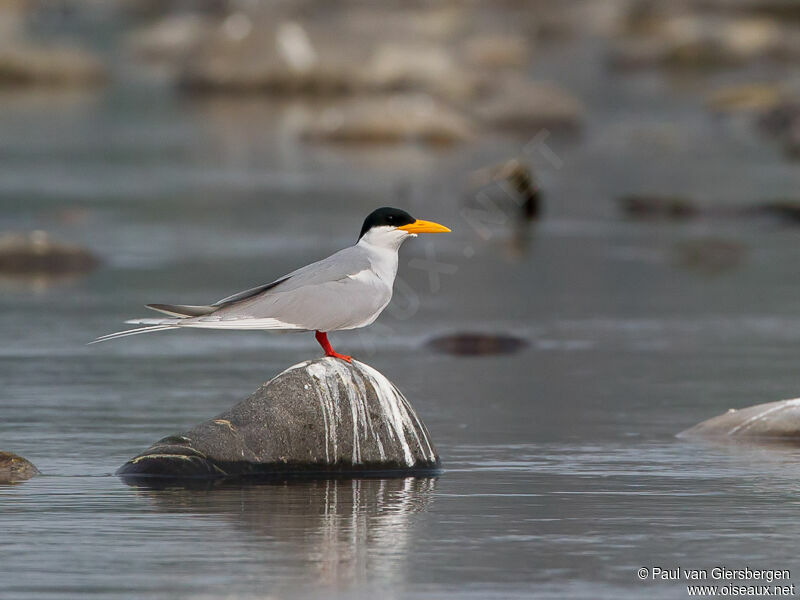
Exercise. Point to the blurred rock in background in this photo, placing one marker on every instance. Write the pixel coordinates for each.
(370, 66)
(39, 255)
(394, 119)
(26, 61)
(23, 63)
(14, 468)
(438, 76)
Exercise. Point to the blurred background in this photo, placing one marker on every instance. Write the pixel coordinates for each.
(622, 183)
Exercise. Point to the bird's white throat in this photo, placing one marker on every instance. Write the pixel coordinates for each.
(385, 237)
(381, 245)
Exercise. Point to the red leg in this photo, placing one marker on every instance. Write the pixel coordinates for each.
(322, 338)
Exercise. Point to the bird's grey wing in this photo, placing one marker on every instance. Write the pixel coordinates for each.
(342, 304)
(336, 266)
(344, 263)
(338, 292)
(186, 310)
(250, 293)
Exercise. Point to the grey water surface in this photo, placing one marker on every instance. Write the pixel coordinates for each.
(562, 474)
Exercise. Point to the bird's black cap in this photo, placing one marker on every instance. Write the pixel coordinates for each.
(386, 216)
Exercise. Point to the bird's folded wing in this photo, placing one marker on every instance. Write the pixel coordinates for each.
(327, 306)
(334, 293)
(249, 293)
(342, 264)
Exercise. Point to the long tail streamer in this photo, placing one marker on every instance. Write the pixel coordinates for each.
(122, 334)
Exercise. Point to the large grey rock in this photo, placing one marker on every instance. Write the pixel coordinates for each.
(771, 422)
(318, 417)
(14, 468)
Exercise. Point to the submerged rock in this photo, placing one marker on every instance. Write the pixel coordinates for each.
(475, 344)
(36, 254)
(319, 418)
(14, 468)
(654, 206)
(771, 422)
(786, 210)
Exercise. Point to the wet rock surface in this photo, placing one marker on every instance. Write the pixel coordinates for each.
(773, 422)
(318, 418)
(14, 468)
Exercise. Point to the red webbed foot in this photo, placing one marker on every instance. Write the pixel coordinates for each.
(322, 338)
(342, 356)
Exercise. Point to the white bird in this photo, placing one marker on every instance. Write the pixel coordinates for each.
(347, 290)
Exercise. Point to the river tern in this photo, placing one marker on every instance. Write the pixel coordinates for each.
(347, 290)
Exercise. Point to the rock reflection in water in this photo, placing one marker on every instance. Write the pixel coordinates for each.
(348, 529)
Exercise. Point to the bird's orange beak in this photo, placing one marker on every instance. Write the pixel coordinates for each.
(420, 226)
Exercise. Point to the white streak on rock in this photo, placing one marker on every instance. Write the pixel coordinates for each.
(337, 383)
(430, 454)
(344, 379)
(327, 404)
(394, 410)
(368, 416)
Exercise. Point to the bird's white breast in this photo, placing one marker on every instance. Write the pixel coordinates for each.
(377, 281)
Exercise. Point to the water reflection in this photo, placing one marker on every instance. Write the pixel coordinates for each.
(347, 530)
